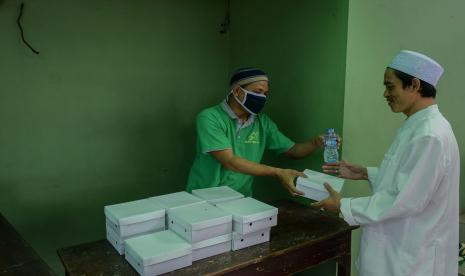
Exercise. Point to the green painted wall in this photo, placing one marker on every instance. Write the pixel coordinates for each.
(302, 46)
(105, 113)
(377, 31)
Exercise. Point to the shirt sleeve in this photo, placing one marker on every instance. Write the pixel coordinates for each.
(372, 174)
(420, 169)
(211, 134)
(275, 140)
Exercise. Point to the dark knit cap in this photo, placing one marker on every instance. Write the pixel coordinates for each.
(247, 75)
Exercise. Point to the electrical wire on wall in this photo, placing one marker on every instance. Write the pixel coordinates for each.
(21, 29)
(225, 24)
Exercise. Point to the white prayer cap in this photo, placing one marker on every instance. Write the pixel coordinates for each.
(417, 65)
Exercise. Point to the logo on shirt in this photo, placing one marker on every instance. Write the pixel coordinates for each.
(253, 138)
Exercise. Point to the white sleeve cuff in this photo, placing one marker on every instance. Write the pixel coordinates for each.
(347, 212)
(372, 174)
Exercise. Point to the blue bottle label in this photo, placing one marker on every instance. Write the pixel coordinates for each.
(330, 142)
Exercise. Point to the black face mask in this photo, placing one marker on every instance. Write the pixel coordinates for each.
(252, 102)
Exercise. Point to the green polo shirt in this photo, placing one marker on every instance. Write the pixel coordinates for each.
(218, 128)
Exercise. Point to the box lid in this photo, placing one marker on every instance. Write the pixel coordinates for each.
(133, 212)
(247, 209)
(212, 241)
(157, 247)
(217, 194)
(199, 216)
(176, 200)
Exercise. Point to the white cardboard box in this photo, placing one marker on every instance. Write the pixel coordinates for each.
(118, 242)
(199, 222)
(211, 247)
(135, 217)
(218, 194)
(242, 241)
(158, 253)
(175, 200)
(313, 186)
(115, 240)
(250, 215)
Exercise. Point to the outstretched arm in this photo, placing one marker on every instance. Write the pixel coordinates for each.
(300, 150)
(235, 163)
(346, 170)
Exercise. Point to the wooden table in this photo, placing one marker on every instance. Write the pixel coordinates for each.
(304, 237)
(16, 256)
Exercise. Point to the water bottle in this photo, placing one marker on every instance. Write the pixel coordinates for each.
(330, 154)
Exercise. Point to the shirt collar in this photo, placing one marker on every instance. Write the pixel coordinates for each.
(419, 115)
(233, 115)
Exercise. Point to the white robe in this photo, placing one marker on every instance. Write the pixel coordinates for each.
(411, 221)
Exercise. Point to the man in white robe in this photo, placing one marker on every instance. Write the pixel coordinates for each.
(411, 221)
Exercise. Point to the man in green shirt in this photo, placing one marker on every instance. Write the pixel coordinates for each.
(232, 137)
